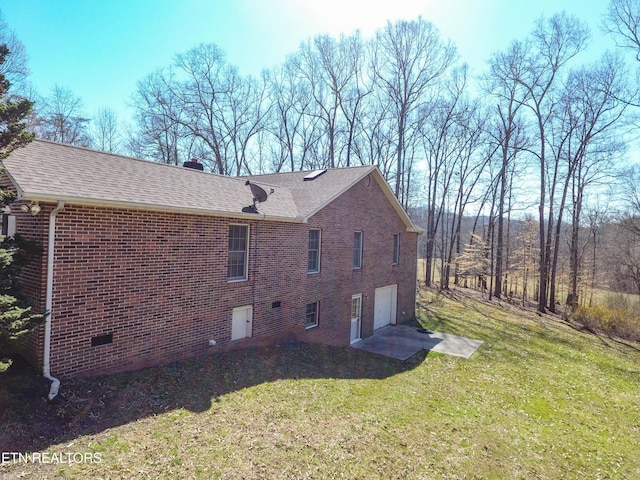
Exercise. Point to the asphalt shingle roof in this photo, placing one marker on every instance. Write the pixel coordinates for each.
(310, 196)
(52, 171)
(49, 171)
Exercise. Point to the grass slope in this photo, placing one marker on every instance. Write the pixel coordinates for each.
(538, 400)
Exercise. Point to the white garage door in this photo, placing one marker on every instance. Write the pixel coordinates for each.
(385, 306)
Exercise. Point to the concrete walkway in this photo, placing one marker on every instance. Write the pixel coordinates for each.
(402, 342)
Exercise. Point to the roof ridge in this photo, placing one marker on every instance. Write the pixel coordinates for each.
(153, 162)
(94, 150)
(298, 172)
(127, 157)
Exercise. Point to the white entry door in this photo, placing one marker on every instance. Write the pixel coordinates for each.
(356, 312)
(384, 313)
(241, 322)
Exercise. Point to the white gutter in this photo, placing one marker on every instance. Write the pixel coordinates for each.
(148, 207)
(46, 370)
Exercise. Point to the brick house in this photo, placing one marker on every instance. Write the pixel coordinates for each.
(145, 263)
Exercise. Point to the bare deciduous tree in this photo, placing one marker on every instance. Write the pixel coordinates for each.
(593, 130)
(451, 131)
(158, 135)
(205, 83)
(508, 134)
(60, 118)
(526, 250)
(552, 44)
(291, 100)
(105, 131)
(474, 261)
(622, 20)
(409, 58)
(14, 67)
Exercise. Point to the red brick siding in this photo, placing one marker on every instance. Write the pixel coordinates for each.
(363, 208)
(158, 281)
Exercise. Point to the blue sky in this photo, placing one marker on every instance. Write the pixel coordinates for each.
(101, 49)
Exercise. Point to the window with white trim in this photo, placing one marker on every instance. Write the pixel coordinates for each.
(357, 250)
(396, 248)
(313, 265)
(311, 317)
(237, 264)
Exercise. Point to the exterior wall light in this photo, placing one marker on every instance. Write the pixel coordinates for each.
(34, 208)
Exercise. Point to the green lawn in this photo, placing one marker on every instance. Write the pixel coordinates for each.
(538, 400)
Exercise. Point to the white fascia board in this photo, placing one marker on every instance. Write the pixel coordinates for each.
(91, 202)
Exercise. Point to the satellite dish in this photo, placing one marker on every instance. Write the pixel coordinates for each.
(259, 196)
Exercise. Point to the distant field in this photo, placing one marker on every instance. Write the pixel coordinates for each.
(537, 400)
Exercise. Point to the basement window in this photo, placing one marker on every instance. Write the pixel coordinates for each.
(311, 317)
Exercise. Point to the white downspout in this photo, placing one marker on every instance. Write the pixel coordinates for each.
(46, 370)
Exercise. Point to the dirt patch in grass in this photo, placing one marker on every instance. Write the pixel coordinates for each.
(22, 401)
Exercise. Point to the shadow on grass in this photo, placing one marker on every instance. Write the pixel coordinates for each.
(29, 423)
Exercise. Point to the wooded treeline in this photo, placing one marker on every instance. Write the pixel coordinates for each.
(540, 130)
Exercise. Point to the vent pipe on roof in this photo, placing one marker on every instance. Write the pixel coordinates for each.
(194, 164)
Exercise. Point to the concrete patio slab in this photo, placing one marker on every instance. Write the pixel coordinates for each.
(402, 342)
